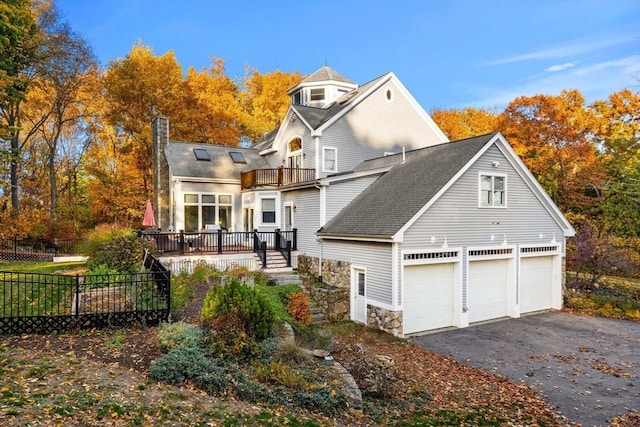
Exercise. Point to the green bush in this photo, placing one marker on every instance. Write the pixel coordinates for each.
(121, 253)
(181, 364)
(277, 296)
(241, 306)
(179, 334)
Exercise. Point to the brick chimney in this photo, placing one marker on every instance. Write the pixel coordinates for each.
(160, 139)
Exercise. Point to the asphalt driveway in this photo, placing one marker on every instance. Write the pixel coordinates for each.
(587, 367)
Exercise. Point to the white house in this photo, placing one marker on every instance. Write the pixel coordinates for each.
(422, 233)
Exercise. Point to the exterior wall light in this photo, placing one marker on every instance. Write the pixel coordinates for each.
(494, 238)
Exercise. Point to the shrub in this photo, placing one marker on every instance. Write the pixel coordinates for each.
(277, 297)
(121, 253)
(179, 334)
(243, 307)
(298, 307)
(180, 364)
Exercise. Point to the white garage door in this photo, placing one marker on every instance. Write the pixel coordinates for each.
(487, 297)
(536, 290)
(428, 297)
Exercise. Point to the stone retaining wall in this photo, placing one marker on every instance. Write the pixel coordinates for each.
(386, 320)
(336, 273)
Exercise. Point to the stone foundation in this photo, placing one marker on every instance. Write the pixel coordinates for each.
(385, 320)
(335, 273)
(331, 296)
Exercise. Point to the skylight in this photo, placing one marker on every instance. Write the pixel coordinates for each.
(237, 157)
(201, 154)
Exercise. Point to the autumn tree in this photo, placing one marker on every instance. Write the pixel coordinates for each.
(465, 123)
(138, 88)
(265, 100)
(211, 110)
(19, 38)
(58, 100)
(554, 136)
(619, 136)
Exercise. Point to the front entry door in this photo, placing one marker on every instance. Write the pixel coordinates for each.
(359, 306)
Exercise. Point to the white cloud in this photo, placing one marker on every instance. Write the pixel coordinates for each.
(568, 49)
(594, 81)
(560, 67)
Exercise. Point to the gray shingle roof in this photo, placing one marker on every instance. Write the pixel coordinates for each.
(182, 161)
(326, 73)
(316, 117)
(394, 198)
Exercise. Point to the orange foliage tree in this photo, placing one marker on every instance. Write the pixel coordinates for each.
(554, 137)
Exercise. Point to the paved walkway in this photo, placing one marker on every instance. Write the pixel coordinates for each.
(587, 367)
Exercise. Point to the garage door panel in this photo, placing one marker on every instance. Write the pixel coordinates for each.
(487, 297)
(428, 298)
(536, 283)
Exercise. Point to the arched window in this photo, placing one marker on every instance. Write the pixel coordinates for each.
(294, 156)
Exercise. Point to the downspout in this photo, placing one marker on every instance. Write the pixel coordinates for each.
(322, 221)
(319, 240)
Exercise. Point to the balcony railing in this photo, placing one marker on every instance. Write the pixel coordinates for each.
(276, 177)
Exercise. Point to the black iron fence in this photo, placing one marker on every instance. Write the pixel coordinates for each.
(34, 249)
(45, 303)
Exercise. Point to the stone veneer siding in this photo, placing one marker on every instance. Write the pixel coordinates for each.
(332, 296)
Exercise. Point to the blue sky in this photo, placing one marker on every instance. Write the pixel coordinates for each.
(449, 54)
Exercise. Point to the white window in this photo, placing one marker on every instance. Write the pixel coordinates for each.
(493, 190)
(329, 159)
(316, 94)
(203, 209)
(268, 211)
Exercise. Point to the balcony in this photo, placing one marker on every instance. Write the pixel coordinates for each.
(275, 177)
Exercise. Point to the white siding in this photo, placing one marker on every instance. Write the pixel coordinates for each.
(306, 218)
(457, 215)
(374, 257)
(297, 129)
(377, 126)
(340, 194)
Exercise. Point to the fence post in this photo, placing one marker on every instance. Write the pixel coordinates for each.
(277, 238)
(77, 298)
(219, 241)
(181, 242)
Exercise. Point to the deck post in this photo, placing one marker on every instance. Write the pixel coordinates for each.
(295, 239)
(219, 241)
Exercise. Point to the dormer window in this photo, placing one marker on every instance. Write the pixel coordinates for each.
(297, 98)
(316, 94)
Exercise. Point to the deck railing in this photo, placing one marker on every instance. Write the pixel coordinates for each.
(220, 241)
(276, 177)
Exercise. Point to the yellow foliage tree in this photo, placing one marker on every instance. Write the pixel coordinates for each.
(211, 107)
(465, 123)
(266, 101)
